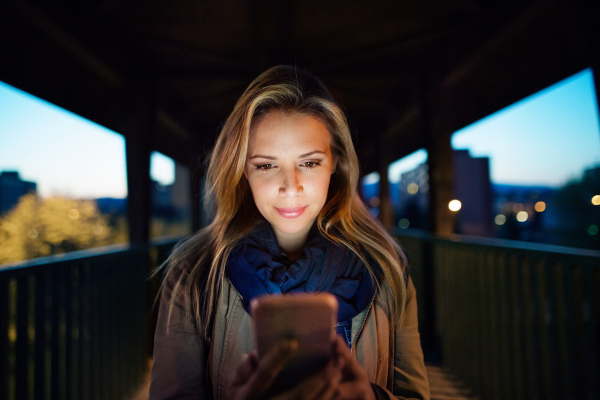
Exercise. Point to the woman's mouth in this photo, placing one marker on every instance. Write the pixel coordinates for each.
(291, 212)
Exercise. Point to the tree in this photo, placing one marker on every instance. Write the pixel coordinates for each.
(38, 227)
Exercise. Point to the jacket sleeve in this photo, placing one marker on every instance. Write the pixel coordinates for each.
(410, 375)
(179, 369)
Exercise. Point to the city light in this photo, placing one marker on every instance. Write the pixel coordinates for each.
(540, 206)
(500, 219)
(596, 200)
(412, 188)
(522, 216)
(374, 201)
(454, 205)
(403, 223)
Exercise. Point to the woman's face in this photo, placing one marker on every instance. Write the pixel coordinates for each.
(289, 166)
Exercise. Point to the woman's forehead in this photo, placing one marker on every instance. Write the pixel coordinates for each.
(288, 129)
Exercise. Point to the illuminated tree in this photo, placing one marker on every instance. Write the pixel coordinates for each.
(38, 227)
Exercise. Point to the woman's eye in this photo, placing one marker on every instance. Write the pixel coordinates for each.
(311, 164)
(264, 166)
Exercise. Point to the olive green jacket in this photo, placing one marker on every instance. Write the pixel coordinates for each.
(185, 367)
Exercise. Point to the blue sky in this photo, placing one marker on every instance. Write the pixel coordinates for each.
(545, 139)
(65, 154)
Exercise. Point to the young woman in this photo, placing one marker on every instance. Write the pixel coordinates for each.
(282, 178)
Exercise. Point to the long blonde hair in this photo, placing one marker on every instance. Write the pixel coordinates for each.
(196, 266)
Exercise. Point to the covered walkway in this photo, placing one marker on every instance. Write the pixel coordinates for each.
(499, 319)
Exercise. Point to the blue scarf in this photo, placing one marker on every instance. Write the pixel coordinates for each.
(256, 266)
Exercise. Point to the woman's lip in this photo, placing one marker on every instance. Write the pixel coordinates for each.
(291, 212)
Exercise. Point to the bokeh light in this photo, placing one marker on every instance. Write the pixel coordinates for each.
(596, 200)
(403, 223)
(454, 205)
(540, 206)
(412, 188)
(522, 216)
(500, 219)
(593, 230)
(374, 201)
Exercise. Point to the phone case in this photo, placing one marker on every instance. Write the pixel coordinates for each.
(309, 318)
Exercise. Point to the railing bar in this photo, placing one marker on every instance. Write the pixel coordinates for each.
(40, 334)
(96, 334)
(565, 325)
(66, 333)
(505, 348)
(540, 343)
(84, 332)
(490, 325)
(529, 329)
(498, 326)
(516, 315)
(592, 296)
(75, 317)
(545, 322)
(4, 337)
(22, 344)
(55, 335)
(556, 380)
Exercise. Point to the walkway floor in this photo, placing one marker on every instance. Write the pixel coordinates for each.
(442, 383)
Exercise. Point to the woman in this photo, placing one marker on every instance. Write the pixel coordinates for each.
(283, 178)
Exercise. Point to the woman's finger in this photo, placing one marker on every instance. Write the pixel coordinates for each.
(243, 372)
(270, 365)
(323, 385)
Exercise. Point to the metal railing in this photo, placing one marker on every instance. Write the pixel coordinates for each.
(515, 320)
(76, 326)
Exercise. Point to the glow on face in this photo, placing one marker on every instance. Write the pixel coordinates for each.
(289, 166)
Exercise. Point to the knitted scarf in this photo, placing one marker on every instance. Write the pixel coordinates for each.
(256, 266)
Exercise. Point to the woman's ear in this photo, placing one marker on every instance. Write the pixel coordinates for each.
(334, 165)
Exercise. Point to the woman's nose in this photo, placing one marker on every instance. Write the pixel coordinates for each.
(291, 185)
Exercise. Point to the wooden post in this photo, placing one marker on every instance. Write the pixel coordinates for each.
(139, 136)
(386, 214)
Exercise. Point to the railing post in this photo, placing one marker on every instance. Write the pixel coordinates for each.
(4, 346)
(22, 321)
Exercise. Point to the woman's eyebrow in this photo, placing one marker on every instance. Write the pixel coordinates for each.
(310, 153)
(261, 156)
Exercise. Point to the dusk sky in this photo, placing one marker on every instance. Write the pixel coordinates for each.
(545, 139)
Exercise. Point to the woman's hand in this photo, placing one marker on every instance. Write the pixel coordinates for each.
(355, 383)
(343, 378)
(254, 377)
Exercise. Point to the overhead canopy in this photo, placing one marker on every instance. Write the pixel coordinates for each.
(408, 72)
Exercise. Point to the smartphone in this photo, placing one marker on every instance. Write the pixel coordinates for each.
(309, 318)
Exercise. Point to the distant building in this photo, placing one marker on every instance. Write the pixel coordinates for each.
(473, 188)
(592, 174)
(12, 187)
